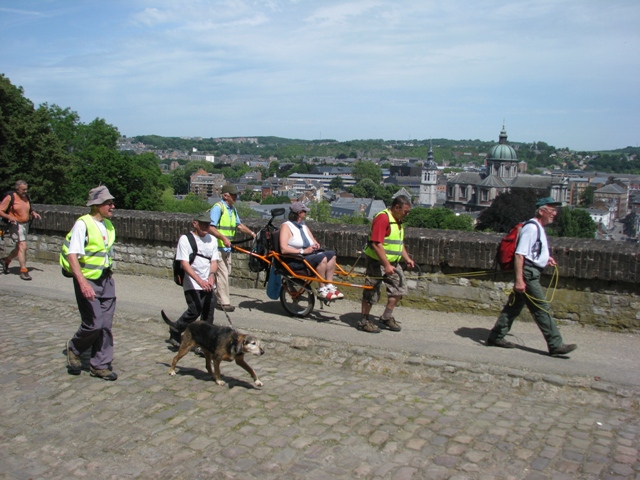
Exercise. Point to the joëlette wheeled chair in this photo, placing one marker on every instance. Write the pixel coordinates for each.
(296, 295)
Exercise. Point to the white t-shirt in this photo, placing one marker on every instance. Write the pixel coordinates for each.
(208, 247)
(528, 245)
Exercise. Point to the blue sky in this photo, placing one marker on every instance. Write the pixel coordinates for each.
(566, 72)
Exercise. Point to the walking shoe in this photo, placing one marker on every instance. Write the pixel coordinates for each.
(391, 324)
(25, 276)
(563, 349)
(367, 326)
(225, 308)
(104, 374)
(322, 293)
(335, 293)
(5, 265)
(74, 362)
(501, 342)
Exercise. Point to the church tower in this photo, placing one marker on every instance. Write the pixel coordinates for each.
(502, 160)
(429, 181)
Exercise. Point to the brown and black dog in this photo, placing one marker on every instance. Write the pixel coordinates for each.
(218, 343)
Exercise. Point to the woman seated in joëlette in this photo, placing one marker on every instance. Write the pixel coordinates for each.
(297, 239)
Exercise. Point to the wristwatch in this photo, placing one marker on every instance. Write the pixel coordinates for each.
(302, 251)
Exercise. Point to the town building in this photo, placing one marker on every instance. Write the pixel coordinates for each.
(474, 191)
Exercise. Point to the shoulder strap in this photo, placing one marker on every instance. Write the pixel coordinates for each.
(537, 228)
(10, 195)
(194, 247)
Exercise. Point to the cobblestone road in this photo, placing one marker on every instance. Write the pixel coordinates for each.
(325, 411)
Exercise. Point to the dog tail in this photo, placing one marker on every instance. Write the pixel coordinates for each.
(168, 321)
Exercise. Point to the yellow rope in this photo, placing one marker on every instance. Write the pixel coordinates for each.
(538, 302)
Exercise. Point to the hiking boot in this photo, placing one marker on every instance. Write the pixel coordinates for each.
(25, 276)
(367, 325)
(391, 324)
(501, 342)
(563, 349)
(5, 265)
(104, 374)
(74, 362)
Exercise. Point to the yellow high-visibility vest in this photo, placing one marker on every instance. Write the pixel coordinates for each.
(97, 257)
(228, 223)
(393, 244)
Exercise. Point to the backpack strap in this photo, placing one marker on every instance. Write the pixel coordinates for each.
(537, 228)
(194, 248)
(10, 195)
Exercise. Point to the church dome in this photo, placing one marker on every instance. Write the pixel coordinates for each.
(503, 151)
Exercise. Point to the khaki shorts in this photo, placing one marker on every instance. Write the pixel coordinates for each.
(395, 284)
(18, 232)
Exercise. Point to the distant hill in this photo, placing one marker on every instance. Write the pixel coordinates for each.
(538, 155)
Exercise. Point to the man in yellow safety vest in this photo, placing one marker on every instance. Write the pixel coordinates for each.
(384, 251)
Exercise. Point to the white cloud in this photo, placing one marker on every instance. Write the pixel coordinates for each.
(289, 67)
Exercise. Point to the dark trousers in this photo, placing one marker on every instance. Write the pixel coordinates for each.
(97, 319)
(199, 304)
(539, 310)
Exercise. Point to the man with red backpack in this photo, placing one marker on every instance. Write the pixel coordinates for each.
(16, 210)
(531, 257)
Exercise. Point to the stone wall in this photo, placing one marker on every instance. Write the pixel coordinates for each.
(598, 282)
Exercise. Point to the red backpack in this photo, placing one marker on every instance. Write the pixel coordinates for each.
(507, 248)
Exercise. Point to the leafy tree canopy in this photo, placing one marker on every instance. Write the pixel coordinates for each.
(438, 219)
(336, 183)
(271, 200)
(367, 188)
(29, 149)
(363, 170)
(573, 222)
(509, 209)
(62, 159)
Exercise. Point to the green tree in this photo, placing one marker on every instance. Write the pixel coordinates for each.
(189, 204)
(630, 222)
(367, 188)
(438, 219)
(29, 149)
(274, 168)
(574, 222)
(336, 183)
(509, 209)
(320, 212)
(362, 170)
(271, 200)
(586, 197)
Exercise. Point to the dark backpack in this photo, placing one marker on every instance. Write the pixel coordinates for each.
(506, 253)
(178, 271)
(261, 246)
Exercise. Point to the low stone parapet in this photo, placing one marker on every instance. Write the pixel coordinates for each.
(598, 281)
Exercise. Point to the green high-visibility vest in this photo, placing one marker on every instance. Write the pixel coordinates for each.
(393, 243)
(228, 223)
(97, 257)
